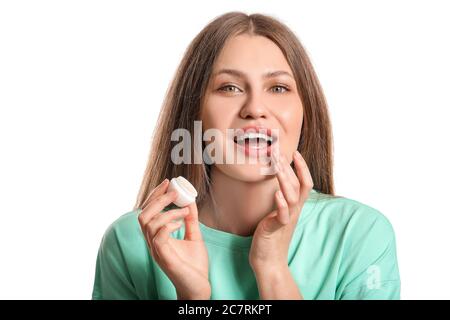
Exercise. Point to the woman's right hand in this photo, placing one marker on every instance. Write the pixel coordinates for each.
(185, 262)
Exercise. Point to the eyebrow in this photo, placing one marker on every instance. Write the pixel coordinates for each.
(240, 74)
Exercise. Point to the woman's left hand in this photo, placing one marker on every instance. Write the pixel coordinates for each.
(270, 244)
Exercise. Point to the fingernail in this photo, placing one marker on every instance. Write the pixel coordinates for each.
(279, 167)
(173, 193)
(297, 154)
(281, 162)
(280, 196)
(274, 160)
(276, 156)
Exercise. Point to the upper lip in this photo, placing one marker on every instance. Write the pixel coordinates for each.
(256, 129)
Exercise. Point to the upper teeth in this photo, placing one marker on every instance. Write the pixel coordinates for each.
(253, 135)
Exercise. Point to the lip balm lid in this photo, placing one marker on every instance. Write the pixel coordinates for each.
(186, 191)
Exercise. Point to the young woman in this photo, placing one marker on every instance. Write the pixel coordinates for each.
(249, 235)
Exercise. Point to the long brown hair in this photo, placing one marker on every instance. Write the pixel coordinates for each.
(183, 101)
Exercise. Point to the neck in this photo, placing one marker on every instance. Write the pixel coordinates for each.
(240, 205)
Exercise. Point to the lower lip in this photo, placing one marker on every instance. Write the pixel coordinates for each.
(253, 152)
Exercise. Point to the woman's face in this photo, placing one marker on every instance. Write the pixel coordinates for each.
(252, 84)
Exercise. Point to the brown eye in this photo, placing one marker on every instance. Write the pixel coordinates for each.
(280, 89)
(230, 89)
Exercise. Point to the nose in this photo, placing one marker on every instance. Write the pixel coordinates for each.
(253, 108)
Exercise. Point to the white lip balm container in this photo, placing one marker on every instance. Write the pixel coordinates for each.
(186, 191)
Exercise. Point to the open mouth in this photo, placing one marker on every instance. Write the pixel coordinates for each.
(255, 143)
(254, 140)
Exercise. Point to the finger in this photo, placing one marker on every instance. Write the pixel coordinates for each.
(161, 219)
(160, 242)
(304, 175)
(192, 227)
(283, 210)
(279, 217)
(279, 159)
(156, 192)
(156, 206)
(292, 176)
(289, 193)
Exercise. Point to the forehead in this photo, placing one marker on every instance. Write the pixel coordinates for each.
(252, 54)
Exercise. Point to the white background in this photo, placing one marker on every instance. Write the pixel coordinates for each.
(82, 82)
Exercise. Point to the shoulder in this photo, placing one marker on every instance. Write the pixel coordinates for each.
(121, 256)
(126, 222)
(124, 233)
(349, 211)
(351, 218)
(123, 245)
(365, 244)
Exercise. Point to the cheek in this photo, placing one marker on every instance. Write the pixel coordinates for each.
(217, 113)
(291, 119)
(291, 116)
(297, 118)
